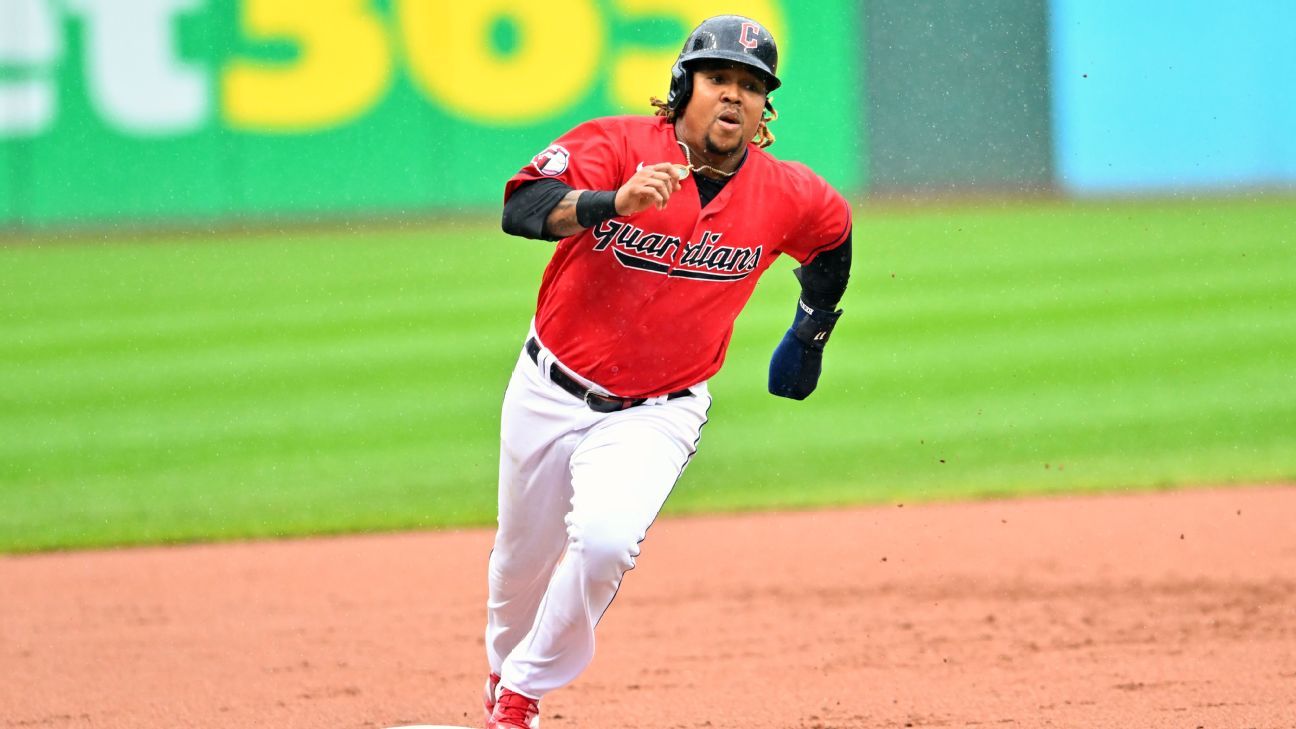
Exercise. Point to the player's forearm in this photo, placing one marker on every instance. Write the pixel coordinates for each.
(527, 210)
(561, 221)
(581, 209)
(552, 210)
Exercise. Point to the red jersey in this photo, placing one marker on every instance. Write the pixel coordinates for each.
(645, 305)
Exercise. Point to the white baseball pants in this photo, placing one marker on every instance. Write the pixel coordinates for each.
(578, 490)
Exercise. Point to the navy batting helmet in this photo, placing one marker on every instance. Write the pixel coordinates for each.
(724, 38)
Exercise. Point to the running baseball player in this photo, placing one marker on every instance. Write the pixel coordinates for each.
(664, 225)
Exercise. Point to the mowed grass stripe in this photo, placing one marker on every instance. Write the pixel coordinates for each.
(335, 355)
(925, 460)
(388, 485)
(143, 277)
(106, 334)
(105, 321)
(1047, 239)
(1125, 289)
(1128, 347)
(176, 391)
(1083, 350)
(240, 353)
(926, 406)
(228, 422)
(408, 273)
(141, 435)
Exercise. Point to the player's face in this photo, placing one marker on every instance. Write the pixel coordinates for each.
(725, 109)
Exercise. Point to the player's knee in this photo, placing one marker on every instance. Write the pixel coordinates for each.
(606, 548)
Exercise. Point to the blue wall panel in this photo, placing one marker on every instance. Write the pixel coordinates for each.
(1173, 95)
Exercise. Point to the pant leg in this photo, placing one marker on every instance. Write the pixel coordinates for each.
(540, 427)
(622, 472)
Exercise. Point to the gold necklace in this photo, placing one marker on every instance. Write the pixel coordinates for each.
(688, 157)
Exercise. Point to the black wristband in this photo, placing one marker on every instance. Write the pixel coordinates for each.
(595, 206)
(812, 326)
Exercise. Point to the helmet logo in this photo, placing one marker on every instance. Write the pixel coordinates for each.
(749, 36)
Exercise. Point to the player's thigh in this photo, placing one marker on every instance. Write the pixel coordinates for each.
(536, 412)
(624, 468)
(538, 433)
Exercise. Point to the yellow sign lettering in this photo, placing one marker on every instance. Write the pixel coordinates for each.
(552, 61)
(343, 66)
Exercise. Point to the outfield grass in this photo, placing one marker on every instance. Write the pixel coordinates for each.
(174, 390)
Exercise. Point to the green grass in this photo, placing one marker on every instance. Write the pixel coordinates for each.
(213, 388)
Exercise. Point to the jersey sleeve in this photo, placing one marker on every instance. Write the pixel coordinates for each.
(589, 157)
(825, 220)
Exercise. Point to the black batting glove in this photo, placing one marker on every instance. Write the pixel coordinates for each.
(798, 359)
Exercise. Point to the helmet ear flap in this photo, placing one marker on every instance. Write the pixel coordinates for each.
(681, 87)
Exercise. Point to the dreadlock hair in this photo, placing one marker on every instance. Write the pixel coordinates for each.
(764, 137)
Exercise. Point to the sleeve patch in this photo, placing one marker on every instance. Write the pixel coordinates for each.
(553, 161)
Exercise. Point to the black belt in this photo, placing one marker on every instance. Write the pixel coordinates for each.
(597, 402)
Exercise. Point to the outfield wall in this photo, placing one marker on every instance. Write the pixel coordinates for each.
(199, 110)
(191, 111)
(1153, 96)
(958, 95)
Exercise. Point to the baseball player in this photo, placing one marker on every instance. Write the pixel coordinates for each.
(664, 225)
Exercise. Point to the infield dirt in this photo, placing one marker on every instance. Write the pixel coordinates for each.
(1173, 609)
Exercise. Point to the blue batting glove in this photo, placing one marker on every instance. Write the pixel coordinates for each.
(798, 358)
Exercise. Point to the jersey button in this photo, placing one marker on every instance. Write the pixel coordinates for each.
(615, 369)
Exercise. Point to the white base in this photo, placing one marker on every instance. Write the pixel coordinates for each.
(431, 726)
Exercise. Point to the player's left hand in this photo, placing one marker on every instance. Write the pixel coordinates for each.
(798, 359)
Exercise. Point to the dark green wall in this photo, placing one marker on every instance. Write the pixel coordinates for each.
(958, 95)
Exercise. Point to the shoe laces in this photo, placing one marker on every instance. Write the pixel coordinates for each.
(514, 709)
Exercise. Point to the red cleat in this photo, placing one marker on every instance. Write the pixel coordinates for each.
(514, 711)
(488, 696)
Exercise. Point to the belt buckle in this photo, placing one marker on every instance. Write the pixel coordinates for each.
(604, 403)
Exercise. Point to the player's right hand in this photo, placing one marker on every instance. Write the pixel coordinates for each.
(651, 185)
(798, 360)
